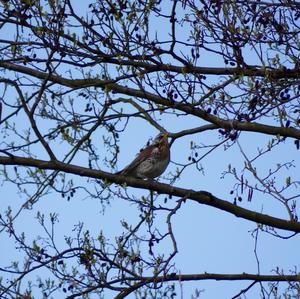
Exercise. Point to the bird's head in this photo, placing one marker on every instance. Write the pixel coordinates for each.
(161, 138)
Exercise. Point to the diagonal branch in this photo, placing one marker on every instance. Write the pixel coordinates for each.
(111, 85)
(201, 197)
(30, 113)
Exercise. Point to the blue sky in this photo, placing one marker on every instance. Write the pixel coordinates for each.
(209, 240)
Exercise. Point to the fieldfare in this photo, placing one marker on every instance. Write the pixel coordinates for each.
(152, 161)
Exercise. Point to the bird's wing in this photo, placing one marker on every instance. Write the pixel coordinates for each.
(142, 156)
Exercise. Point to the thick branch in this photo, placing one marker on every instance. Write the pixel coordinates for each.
(217, 276)
(111, 85)
(200, 197)
(206, 276)
(231, 71)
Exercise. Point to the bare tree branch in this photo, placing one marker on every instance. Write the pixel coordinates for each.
(201, 197)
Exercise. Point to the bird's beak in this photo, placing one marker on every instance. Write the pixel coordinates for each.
(166, 135)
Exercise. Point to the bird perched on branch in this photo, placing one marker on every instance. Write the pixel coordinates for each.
(152, 161)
